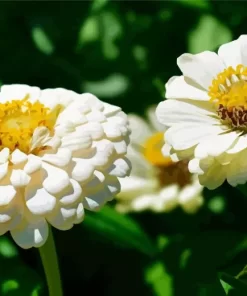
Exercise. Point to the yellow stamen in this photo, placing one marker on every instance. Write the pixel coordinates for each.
(229, 88)
(19, 119)
(152, 150)
(229, 93)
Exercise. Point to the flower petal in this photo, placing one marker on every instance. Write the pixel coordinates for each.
(234, 53)
(70, 194)
(171, 112)
(140, 130)
(19, 178)
(39, 201)
(186, 135)
(31, 234)
(120, 168)
(60, 159)
(8, 193)
(178, 88)
(202, 68)
(214, 176)
(56, 180)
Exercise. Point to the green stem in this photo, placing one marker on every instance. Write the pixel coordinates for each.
(50, 264)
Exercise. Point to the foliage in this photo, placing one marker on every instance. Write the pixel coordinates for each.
(124, 52)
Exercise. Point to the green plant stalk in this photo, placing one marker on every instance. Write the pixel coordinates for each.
(50, 264)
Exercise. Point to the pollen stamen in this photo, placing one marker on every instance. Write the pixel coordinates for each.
(229, 93)
(19, 119)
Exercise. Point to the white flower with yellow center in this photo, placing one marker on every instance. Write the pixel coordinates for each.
(156, 182)
(60, 152)
(206, 114)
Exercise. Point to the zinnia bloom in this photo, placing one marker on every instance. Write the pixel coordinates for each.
(206, 114)
(156, 182)
(60, 152)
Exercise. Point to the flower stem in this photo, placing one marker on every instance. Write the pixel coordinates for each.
(50, 264)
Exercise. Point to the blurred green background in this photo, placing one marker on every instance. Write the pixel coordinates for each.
(124, 52)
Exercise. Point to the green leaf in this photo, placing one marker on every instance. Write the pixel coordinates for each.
(111, 31)
(217, 204)
(112, 86)
(120, 229)
(89, 32)
(97, 5)
(211, 289)
(42, 41)
(226, 287)
(159, 279)
(208, 35)
(232, 285)
(7, 249)
(18, 279)
(201, 4)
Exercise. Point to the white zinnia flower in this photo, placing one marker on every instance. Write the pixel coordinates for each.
(60, 152)
(156, 183)
(206, 114)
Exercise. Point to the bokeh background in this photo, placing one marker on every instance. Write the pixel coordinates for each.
(124, 52)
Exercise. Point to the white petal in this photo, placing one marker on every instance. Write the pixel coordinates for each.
(167, 199)
(111, 110)
(4, 155)
(194, 166)
(120, 146)
(46, 95)
(184, 136)
(151, 114)
(140, 130)
(31, 234)
(60, 159)
(120, 168)
(216, 145)
(7, 194)
(83, 170)
(113, 186)
(96, 116)
(33, 164)
(91, 101)
(56, 180)
(201, 68)
(234, 53)
(39, 201)
(3, 170)
(111, 131)
(95, 130)
(143, 202)
(71, 194)
(190, 198)
(240, 145)
(178, 88)
(40, 135)
(79, 214)
(105, 151)
(18, 156)
(95, 201)
(214, 176)
(171, 112)
(19, 178)
(18, 92)
(76, 141)
(237, 169)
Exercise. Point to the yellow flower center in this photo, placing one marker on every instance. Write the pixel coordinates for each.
(229, 93)
(168, 172)
(152, 150)
(19, 119)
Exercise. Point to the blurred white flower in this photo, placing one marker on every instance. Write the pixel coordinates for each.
(60, 152)
(206, 114)
(156, 182)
